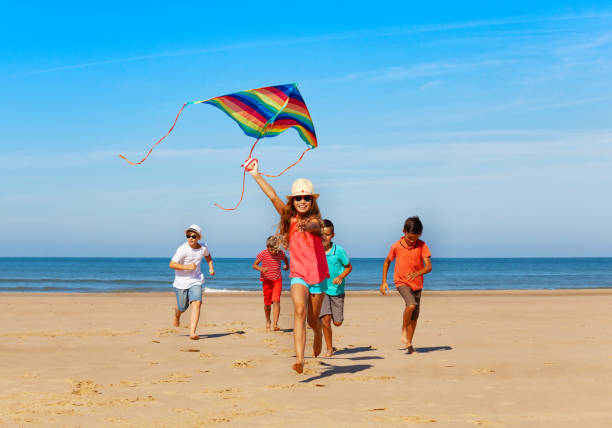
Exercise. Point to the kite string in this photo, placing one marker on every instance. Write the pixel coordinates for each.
(289, 167)
(158, 141)
(246, 164)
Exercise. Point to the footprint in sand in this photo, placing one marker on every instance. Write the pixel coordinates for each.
(174, 378)
(292, 385)
(190, 350)
(409, 419)
(242, 363)
(166, 332)
(227, 390)
(85, 387)
(365, 378)
(483, 371)
(417, 419)
(129, 383)
(206, 355)
(186, 411)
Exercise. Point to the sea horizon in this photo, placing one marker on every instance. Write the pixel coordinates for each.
(150, 274)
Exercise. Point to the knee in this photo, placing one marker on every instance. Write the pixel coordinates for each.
(299, 311)
(410, 308)
(325, 321)
(337, 324)
(196, 304)
(315, 325)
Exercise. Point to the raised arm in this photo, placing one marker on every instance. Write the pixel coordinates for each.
(265, 187)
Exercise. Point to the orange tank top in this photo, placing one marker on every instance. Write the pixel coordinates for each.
(307, 256)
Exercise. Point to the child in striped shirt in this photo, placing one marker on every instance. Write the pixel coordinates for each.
(271, 278)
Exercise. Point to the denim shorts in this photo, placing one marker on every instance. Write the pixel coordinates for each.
(185, 297)
(319, 288)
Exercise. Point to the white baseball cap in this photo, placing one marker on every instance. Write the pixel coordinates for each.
(302, 186)
(195, 228)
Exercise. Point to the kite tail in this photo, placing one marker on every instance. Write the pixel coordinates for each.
(241, 194)
(246, 168)
(158, 141)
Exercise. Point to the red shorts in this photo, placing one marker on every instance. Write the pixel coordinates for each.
(272, 290)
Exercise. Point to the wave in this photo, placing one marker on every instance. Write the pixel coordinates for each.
(79, 281)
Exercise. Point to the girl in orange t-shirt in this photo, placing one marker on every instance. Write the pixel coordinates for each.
(412, 261)
(300, 228)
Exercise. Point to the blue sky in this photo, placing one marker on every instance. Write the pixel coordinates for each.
(490, 121)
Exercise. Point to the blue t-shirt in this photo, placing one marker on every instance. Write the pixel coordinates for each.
(337, 260)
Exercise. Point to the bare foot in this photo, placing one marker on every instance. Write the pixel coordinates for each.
(177, 318)
(276, 328)
(298, 367)
(404, 338)
(317, 345)
(194, 337)
(410, 349)
(329, 352)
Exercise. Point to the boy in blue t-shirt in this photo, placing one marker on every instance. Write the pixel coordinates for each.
(339, 267)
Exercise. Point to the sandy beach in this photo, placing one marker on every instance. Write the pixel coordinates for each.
(499, 359)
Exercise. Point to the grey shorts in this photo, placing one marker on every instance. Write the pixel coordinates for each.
(411, 298)
(185, 297)
(334, 306)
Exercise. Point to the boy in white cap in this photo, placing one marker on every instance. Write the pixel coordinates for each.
(188, 278)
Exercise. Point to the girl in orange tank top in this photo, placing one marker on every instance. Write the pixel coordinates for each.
(300, 228)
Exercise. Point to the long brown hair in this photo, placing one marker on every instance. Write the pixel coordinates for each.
(289, 212)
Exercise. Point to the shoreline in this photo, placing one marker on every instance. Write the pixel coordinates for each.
(355, 293)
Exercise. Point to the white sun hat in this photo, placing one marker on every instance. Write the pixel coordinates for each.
(302, 186)
(194, 228)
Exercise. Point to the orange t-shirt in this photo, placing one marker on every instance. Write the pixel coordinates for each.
(407, 260)
(306, 256)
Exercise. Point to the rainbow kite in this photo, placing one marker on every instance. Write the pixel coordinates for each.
(262, 112)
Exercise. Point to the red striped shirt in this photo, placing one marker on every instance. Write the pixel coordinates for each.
(272, 262)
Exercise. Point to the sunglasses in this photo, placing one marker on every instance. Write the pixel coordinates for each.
(192, 236)
(307, 198)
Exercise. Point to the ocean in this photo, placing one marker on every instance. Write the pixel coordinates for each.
(88, 275)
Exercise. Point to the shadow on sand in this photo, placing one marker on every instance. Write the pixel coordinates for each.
(372, 357)
(432, 349)
(215, 335)
(354, 350)
(331, 370)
